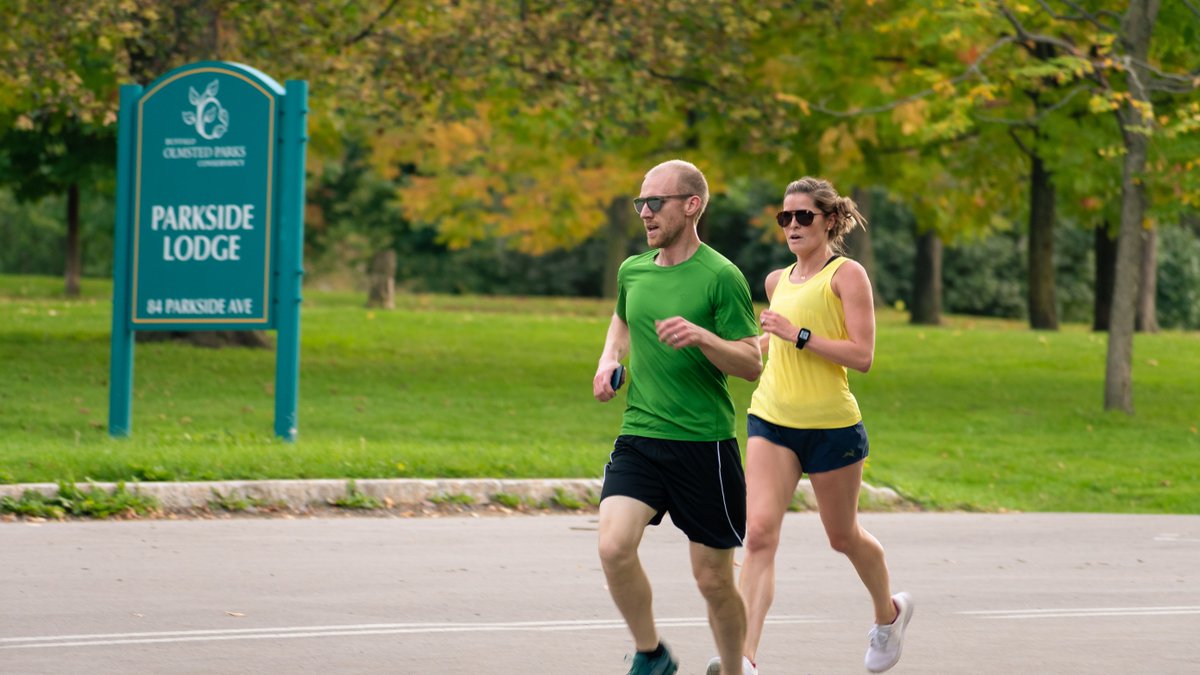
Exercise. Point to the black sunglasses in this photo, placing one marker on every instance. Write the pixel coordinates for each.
(655, 203)
(804, 217)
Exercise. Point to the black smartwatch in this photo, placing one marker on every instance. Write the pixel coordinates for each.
(802, 338)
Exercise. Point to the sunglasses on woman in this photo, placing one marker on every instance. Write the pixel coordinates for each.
(655, 203)
(803, 217)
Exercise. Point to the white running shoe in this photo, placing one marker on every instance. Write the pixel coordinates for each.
(886, 641)
(714, 666)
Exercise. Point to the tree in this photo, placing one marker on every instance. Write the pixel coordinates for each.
(58, 136)
(1126, 82)
(1106, 53)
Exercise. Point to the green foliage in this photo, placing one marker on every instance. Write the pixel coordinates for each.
(452, 498)
(71, 500)
(797, 504)
(32, 234)
(234, 503)
(565, 500)
(150, 473)
(1178, 287)
(507, 500)
(356, 499)
(96, 503)
(32, 503)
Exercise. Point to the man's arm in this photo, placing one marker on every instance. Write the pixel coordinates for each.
(740, 358)
(616, 347)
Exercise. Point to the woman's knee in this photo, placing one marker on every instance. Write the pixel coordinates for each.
(761, 537)
(845, 542)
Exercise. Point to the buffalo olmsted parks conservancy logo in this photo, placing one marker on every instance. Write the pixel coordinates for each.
(210, 120)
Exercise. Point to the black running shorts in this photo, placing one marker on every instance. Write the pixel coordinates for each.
(700, 483)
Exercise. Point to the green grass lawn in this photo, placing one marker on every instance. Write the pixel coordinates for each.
(978, 414)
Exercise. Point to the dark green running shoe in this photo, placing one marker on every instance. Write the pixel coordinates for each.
(663, 665)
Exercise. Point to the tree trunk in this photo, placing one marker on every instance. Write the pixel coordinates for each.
(381, 290)
(1118, 375)
(1136, 27)
(1106, 267)
(927, 280)
(1043, 307)
(616, 249)
(858, 243)
(74, 268)
(1147, 311)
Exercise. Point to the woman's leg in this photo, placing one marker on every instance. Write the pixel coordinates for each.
(772, 472)
(837, 499)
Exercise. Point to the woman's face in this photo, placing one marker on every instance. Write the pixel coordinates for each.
(803, 239)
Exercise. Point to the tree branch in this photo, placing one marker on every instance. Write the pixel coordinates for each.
(683, 79)
(972, 70)
(1083, 15)
(371, 26)
(1020, 144)
(1095, 75)
(1194, 8)
(900, 149)
(1026, 36)
(1034, 121)
(1171, 82)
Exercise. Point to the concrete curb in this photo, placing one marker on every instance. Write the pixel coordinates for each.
(397, 491)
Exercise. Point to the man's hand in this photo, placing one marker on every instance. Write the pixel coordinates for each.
(602, 383)
(678, 332)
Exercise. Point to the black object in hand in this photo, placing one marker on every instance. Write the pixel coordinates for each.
(618, 377)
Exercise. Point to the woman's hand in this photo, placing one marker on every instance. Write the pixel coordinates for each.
(776, 324)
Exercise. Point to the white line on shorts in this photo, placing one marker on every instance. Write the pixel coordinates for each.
(291, 632)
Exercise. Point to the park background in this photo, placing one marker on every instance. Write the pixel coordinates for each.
(1028, 168)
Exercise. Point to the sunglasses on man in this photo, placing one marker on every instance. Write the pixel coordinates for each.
(655, 203)
(803, 217)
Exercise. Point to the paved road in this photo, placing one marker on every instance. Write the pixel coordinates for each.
(1029, 593)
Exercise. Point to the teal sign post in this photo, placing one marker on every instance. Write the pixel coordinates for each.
(209, 218)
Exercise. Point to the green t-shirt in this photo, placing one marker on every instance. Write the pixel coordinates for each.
(679, 394)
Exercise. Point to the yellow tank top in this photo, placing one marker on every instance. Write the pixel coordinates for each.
(799, 389)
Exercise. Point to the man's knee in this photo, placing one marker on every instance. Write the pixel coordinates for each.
(617, 551)
(714, 582)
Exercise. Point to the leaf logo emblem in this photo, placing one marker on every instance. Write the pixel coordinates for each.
(210, 118)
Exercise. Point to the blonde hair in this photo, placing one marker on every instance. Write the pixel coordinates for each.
(690, 180)
(828, 201)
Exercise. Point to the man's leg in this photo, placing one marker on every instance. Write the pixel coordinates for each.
(772, 472)
(623, 520)
(713, 569)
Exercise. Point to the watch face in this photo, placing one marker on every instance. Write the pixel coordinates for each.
(805, 334)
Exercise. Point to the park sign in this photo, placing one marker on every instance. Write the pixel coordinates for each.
(209, 217)
(204, 170)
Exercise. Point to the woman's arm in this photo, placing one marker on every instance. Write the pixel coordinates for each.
(857, 351)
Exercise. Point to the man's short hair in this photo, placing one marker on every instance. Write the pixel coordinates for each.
(690, 180)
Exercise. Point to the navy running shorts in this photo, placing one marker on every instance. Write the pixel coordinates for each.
(818, 450)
